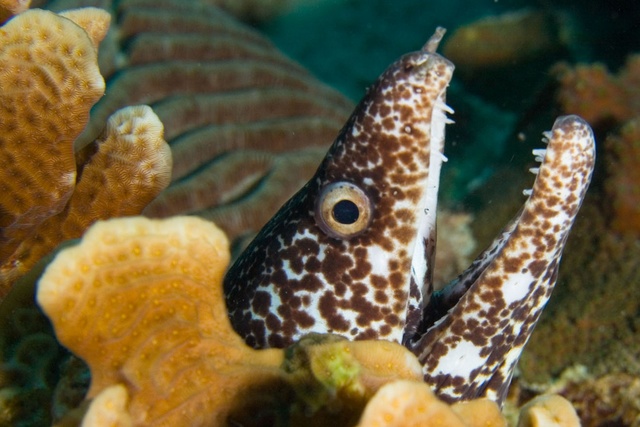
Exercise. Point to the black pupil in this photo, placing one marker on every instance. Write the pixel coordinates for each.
(345, 212)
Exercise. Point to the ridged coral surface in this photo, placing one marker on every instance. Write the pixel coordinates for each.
(162, 328)
(49, 80)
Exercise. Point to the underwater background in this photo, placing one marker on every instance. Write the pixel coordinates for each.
(519, 64)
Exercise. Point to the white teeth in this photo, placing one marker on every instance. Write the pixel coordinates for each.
(534, 170)
(539, 154)
(444, 107)
(527, 192)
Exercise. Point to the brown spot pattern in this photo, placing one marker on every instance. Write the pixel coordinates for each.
(496, 303)
(358, 287)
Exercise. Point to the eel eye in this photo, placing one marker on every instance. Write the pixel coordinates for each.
(343, 210)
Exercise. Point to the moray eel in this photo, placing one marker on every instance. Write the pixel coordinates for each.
(352, 252)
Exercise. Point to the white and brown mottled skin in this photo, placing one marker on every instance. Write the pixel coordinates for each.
(473, 331)
(298, 276)
(304, 274)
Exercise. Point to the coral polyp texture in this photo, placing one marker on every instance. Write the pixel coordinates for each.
(51, 192)
(591, 91)
(623, 167)
(137, 301)
(410, 403)
(50, 80)
(612, 102)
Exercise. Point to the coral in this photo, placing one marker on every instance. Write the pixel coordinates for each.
(331, 372)
(51, 193)
(612, 399)
(9, 8)
(153, 284)
(501, 40)
(548, 411)
(412, 403)
(29, 355)
(109, 408)
(623, 169)
(119, 174)
(50, 80)
(259, 10)
(598, 96)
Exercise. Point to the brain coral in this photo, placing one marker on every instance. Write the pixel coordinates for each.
(50, 79)
(51, 193)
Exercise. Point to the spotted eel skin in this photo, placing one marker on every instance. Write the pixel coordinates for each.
(352, 252)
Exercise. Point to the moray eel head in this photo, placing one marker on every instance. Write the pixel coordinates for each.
(351, 253)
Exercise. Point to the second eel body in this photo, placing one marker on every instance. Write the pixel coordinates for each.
(352, 252)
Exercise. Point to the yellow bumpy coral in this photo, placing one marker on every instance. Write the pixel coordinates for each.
(121, 172)
(49, 80)
(141, 302)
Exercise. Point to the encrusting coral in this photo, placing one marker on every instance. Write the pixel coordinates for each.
(51, 193)
(46, 91)
(612, 103)
(591, 91)
(623, 170)
(411, 403)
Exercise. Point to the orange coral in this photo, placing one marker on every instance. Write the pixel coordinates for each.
(623, 167)
(50, 193)
(120, 173)
(411, 403)
(591, 92)
(597, 95)
(50, 80)
(140, 301)
(548, 411)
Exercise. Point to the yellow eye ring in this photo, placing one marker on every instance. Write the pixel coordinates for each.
(343, 210)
